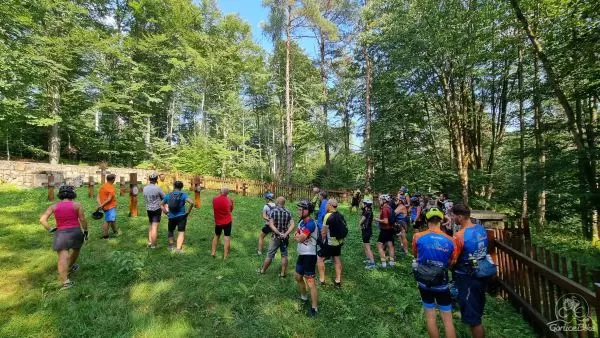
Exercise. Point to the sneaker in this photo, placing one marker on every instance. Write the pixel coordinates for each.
(392, 264)
(67, 284)
(384, 265)
(171, 248)
(259, 253)
(74, 268)
(371, 266)
(313, 312)
(322, 283)
(260, 272)
(152, 246)
(304, 299)
(179, 251)
(338, 285)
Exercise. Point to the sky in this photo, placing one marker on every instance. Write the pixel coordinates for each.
(254, 14)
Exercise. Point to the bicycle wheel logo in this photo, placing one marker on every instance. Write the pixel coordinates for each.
(572, 314)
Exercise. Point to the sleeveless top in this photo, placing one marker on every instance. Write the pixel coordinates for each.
(66, 216)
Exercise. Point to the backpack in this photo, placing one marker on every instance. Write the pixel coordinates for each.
(176, 202)
(393, 217)
(339, 228)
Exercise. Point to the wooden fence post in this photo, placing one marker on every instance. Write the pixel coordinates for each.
(122, 186)
(244, 188)
(133, 192)
(492, 245)
(197, 187)
(91, 186)
(50, 187)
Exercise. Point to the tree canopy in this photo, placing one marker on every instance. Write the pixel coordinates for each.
(494, 102)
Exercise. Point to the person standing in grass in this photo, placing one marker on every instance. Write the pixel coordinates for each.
(321, 245)
(471, 242)
(107, 201)
(366, 229)
(153, 195)
(333, 221)
(306, 236)
(316, 199)
(435, 252)
(68, 238)
(386, 232)
(281, 224)
(173, 205)
(355, 200)
(266, 212)
(222, 208)
(164, 186)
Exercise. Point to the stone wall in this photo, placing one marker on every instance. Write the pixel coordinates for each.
(33, 174)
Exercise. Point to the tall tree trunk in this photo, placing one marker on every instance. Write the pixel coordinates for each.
(539, 146)
(54, 139)
(322, 38)
(7, 147)
(367, 142)
(288, 108)
(587, 172)
(457, 135)
(148, 134)
(498, 127)
(522, 131)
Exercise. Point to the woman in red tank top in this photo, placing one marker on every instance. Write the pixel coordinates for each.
(69, 238)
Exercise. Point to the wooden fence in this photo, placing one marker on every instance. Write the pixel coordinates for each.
(247, 187)
(560, 297)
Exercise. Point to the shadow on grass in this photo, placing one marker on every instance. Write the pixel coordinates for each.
(195, 295)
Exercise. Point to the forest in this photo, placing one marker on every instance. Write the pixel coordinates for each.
(493, 102)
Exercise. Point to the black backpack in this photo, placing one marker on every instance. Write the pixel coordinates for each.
(392, 217)
(176, 202)
(339, 228)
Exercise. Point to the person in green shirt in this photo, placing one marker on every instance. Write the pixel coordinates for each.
(368, 196)
(316, 200)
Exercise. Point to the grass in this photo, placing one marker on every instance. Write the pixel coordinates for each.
(126, 290)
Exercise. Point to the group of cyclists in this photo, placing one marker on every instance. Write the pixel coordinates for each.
(446, 239)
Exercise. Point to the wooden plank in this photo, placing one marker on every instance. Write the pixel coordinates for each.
(537, 318)
(565, 283)
(575, 271)
(91, 186)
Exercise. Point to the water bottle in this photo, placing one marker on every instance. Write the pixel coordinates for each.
(414, 264)
(473, 260)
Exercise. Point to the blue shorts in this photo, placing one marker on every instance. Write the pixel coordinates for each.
(110, 215)
(471, 298)
(436, 298)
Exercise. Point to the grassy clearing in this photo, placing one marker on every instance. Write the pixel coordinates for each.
(126, 290)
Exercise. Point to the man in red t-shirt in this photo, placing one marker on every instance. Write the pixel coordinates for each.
(222, 208)
(386, 232)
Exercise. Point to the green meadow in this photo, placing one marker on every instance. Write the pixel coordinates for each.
(124, 289)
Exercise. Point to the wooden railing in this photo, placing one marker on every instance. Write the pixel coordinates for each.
(539, 281)
(247, 187)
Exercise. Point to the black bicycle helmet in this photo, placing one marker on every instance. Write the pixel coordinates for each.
(304, 204)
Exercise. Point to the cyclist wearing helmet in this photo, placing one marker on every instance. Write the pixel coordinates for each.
(415, 213)
(70, 218)
(266, 213)
(366, 229)
(306, 236)
(401, 213)
(434, 253)
(153, 195)
(386, 232)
